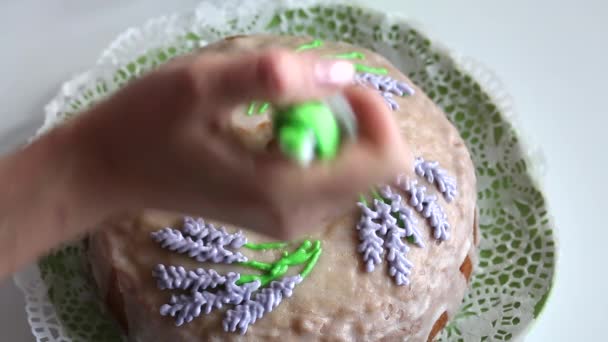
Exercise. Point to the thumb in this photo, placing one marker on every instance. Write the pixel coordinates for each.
(379, 154)
(278, 76)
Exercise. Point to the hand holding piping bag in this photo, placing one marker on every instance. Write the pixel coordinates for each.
(162, 142)
(198, 166)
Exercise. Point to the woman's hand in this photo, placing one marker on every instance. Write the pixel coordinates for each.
(163, 142)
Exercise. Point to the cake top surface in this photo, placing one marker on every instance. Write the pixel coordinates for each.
(333, 286)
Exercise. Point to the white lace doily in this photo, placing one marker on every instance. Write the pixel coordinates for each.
(518, 245)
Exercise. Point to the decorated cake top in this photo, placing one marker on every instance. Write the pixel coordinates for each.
(386, 226)
(205, 243)
(389, 267)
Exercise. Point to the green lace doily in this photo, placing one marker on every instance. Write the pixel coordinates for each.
(517, 252)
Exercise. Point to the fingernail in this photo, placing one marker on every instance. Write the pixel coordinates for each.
(330, 72)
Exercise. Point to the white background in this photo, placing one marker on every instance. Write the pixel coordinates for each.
(549, 54)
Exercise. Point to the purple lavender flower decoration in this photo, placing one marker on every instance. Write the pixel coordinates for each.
(399, 267)
(387, 86)
(431, 171)
(426, 205)
(209, 290)
(171, 239)
(379, 230)
(434, 213)
(211, 248)
(178, 278)
(370, 232)
(263, 302)
(185, 308)
(198, 229)
(390, 101)
(404, 213)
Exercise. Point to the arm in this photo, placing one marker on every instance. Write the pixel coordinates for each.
(46, 199)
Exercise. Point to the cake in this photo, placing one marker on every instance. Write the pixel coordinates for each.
(394, 267)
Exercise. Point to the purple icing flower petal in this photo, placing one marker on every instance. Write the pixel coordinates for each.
(427, 206)
(405, 214)
(263, 302)
(198, 229)
(399, 267)
(380, 230)
(370, 233)
(204, 243)
(185, 308)
(168, 238)
(237, 294)
(195, 228)
(388, 98)
(431, 171)
(386, 85)
(218, 254)
(405, 88)
(178, 278)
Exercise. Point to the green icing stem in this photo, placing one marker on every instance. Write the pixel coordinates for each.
(363, 199)
(311, 263)
(361, 67)
(264, 279)
(266, 246)
(300, 255)
(313, 45)
(377, 195)
(264, 107)
(262, 266)
(278, 271)
(316, 44)
(308, 252)
(275, 273)
(371, 70)
(251, 109)
(351, 55)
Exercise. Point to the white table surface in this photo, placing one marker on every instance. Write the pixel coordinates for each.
(549, 56)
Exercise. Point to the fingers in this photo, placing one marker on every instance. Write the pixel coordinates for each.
(377, 157)
(277, 76)
(376, 123)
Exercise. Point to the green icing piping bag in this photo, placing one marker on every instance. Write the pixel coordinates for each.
(314, 129)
